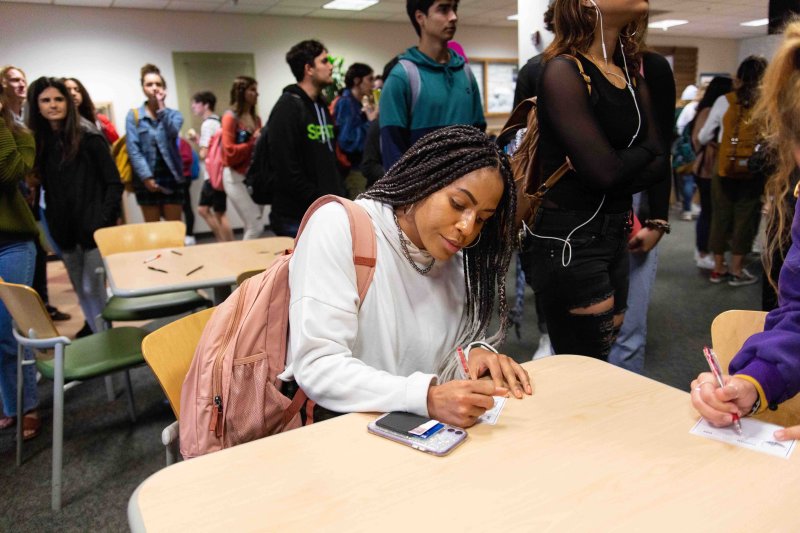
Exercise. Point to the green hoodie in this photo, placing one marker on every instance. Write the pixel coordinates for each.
(16, 160)
(447, 97)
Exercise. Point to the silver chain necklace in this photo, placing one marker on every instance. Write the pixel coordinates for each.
(406, 253)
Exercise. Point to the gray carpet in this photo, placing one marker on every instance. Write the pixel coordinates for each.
(107, 456)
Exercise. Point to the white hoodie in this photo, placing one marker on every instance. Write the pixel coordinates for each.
(385, 356)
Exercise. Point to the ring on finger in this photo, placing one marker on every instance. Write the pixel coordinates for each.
(699, 386)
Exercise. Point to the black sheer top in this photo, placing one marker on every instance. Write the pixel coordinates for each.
(594, 131)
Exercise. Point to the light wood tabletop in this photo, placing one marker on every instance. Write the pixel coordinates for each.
(128, 273)
(596, 448)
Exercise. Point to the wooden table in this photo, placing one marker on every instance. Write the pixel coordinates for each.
(129, 275)
(597, 448)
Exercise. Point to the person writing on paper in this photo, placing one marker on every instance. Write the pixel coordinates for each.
(443, 219)
(766, 371)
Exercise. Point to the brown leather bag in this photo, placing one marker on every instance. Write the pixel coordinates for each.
(524, 162)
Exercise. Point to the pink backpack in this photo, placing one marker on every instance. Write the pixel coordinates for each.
(214, 164)
(231, 394)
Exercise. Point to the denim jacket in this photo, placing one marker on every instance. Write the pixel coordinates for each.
(142, 140)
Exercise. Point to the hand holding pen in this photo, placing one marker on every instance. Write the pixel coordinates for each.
(721, 401)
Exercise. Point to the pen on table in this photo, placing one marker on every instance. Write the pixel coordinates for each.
(176, 252)
(463, 360)
(713, 363)
(194, 270)
(156, 269)
(153, 258)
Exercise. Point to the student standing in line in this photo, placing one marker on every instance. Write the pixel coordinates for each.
(212, 203)
(704, 168)
(448, 90)
(241, 128)
(444, 223)
(14, 87)
(301, 140)
(87, 110)
(610, 139)
(18, 232)
(736, 200)
(353, 113)
(628, 350)
(151, 137)
(766, 371)
(81, 183)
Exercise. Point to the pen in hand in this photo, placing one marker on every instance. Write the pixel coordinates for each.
(713, 363)
(463, 360)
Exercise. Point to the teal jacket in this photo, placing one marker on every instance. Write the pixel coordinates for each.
(448, 96)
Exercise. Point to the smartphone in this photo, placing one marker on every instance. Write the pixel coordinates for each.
(423, 434)
(165, 190)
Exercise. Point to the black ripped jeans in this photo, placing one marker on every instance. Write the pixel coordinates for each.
(596, 270)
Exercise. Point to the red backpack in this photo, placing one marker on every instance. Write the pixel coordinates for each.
(214, 164)
(231, 394)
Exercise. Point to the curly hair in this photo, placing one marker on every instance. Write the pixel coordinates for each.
(435, 161)
(777, 114)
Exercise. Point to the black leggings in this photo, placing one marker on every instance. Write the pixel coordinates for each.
(596, 271)
(703, 227)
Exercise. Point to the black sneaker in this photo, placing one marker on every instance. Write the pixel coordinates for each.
(56, 315)
(84, 332)
(745, 278)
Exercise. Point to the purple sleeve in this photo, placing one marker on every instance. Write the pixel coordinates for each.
(773, 357)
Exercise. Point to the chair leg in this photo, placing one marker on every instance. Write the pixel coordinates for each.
(58, 426)
(110, 392)
(129, 393)
(20, 357)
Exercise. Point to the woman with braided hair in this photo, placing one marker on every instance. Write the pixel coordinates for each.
(443, 219)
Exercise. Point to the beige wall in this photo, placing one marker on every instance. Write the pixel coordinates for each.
(106, 47)
(713, 55)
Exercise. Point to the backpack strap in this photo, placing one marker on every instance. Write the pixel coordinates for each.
(414, 81)
(363, 235)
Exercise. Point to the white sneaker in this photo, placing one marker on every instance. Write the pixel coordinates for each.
(695, 210)
(706, 263)
(189, 240)
(545, 348)
(687, 215)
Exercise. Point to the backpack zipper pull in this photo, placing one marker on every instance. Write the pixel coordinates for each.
(215, 418)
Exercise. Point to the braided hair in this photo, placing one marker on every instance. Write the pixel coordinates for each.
(435, 161)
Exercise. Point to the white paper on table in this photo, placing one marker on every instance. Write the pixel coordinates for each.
(756, 435)
(491, 416)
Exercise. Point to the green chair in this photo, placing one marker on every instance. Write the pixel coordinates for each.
(63, 360)
(147, 236)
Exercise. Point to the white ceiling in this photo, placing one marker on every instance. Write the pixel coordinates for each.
(708, 18)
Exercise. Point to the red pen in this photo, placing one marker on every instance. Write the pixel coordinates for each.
(463, 360)
(713, 363)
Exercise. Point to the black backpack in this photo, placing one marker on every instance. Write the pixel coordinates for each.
(258, 180)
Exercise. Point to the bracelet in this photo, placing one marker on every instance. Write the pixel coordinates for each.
(756, 407)
(654, 223)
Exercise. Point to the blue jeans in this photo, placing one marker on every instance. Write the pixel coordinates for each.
(688, 191)
(17, 263)
(628, 350)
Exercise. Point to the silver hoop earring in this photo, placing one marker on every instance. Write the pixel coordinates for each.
(474, 244)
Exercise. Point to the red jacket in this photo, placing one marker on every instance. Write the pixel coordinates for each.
(237, 155)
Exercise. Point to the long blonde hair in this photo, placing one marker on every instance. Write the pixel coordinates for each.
(777, 113)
